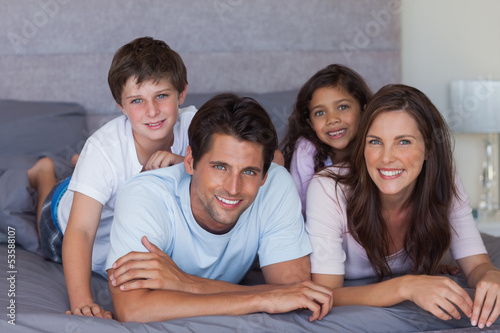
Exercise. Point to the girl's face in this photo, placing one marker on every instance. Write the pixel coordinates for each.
(334, 116)
(394, 154)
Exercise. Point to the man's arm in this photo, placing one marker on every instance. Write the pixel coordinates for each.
(179, 295)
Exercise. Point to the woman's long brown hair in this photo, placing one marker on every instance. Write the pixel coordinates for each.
(428, 236)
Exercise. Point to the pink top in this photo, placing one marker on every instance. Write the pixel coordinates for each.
(336, 252)
(302, 168)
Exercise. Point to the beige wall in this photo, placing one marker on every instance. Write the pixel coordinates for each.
(445, 40)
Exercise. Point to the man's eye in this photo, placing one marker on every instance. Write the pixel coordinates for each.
(219, 167)
(249, 172)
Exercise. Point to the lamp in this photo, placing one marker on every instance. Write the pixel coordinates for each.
(476, 109)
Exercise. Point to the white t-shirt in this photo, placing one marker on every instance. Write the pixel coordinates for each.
(336, 252)
(107, 161)
(157, 204)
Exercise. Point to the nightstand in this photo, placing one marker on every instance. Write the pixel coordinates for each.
(489, 224)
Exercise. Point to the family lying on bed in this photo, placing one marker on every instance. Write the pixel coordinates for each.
(374, 177)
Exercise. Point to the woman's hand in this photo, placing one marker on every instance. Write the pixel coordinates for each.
(487, 300)
(439, 295)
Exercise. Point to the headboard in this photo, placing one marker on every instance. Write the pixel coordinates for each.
(60, 50)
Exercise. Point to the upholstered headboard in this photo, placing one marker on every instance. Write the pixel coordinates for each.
(60, 50)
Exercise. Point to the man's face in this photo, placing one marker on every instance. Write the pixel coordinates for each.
(225, 182)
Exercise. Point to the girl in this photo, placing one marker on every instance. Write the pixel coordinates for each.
(396, 210)
(323, 123)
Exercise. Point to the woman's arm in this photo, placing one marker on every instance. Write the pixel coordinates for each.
(432, 293)
(482, 275)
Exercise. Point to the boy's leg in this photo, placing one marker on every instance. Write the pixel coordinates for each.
(42, 178)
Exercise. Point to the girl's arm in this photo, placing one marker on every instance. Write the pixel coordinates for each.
(432, 293)
(77, 255)
(482, 275)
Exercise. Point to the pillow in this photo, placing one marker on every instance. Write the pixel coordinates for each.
(29, 130)
(34, 127)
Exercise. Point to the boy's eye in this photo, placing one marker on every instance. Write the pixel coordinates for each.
(160, 96)
(135, 101)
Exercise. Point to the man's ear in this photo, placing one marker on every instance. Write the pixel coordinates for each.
(182, 95)
(188, 161)
(264, 178)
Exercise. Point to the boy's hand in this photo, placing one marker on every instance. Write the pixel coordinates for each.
(162, 159)
(91, 310)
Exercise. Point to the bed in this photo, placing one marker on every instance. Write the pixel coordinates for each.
(54, 94)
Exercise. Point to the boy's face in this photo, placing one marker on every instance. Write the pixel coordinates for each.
(152, 109)
(225, 182)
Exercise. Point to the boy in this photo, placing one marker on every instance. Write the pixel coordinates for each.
(148, 81)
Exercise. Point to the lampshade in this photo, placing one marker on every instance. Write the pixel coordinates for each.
(475, 106)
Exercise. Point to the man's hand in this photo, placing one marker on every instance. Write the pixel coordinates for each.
(162, 159)
(91, 310)
(150, 270)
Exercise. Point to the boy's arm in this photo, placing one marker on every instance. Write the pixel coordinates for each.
(77, 255)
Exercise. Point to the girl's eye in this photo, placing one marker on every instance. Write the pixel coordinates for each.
(319, 113)
(343, 107)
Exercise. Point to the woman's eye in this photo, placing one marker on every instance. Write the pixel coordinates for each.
(374, 142)
(405, 142)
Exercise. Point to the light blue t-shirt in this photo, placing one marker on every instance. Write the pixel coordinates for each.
(157, 204)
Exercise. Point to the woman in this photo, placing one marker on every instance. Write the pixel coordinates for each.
(394, 214)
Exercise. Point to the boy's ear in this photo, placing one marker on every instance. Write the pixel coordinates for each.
(182, 95)
(121, 108)
(188, 161)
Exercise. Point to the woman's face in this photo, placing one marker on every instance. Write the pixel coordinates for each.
(394, 154)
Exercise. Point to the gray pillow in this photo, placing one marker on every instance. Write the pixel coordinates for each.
(34, 127)
(29, 130)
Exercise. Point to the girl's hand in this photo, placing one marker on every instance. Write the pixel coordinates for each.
(439, 295)
(487, 300)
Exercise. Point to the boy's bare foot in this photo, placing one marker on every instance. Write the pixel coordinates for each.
(74, 159)
(42, 178)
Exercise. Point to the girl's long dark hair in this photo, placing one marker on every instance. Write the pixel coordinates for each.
(428, 236)
(335, 76)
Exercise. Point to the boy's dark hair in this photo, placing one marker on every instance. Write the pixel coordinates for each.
(240, 117)
(145, 59)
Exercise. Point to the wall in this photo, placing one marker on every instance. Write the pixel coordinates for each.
(445, 40)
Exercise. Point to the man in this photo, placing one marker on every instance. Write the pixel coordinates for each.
(208, 218)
